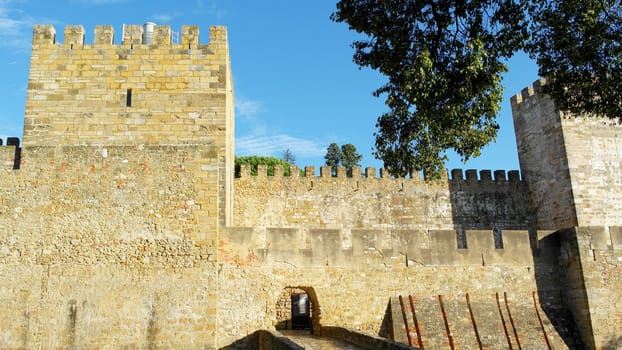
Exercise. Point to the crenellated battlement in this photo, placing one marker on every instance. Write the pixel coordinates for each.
(148, 89)
(460, 180)
(325, 173)
(10, 154)
(337, 247)
(457, 175)
(528, 92)
(126, 191)
(376, 199)
(132, 36)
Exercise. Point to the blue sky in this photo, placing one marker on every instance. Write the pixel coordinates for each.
(295, 83)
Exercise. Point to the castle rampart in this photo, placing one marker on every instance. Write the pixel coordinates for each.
(88, 235)
(346, 273)
(121, 228)
(338, 248)
(384, 202)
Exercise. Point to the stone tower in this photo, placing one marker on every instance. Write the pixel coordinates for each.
(570, 163)
(102, 95)
(125, 179)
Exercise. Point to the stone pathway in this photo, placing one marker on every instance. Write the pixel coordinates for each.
(313, 342)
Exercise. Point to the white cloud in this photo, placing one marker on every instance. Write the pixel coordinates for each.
(16, 27)
(247, 108)
(275, 144)
(11, 20)
(9, 26)
(212, 9)
(166, 17)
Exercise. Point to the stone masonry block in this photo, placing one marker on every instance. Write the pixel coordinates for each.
(104, 35)
(162, 35)
(283, 244)
(516, 249)
(132, 34)
(326, 247)
(599, 237)
(190, 36)
(43, 34)
(363, 240)
(481, 247)
(444, 249)
(616, 237)
(74, 35)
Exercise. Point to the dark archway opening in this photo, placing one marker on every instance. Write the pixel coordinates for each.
(297, 309)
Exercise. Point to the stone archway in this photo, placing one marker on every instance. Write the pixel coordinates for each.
(298, 308)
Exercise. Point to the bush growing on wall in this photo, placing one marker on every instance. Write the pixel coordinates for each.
(253, 161)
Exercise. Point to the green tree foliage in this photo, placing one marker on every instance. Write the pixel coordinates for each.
(577, 45)
(253, 161)
(349, 157)
(346, 156)
(333, 157)
(444, 60)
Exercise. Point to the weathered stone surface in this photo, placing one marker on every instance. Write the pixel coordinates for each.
(123, 225)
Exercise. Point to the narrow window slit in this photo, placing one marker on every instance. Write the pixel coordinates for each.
(461, 239)
(128, 98)
(498, 237)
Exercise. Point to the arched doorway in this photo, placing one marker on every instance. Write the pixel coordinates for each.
(298, 309)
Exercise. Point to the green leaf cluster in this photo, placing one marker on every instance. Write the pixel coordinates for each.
(346, 156)
(444, 59)
(577, 45)
(253, 161)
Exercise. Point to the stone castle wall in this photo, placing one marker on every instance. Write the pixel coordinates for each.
(123, 226)
(591, 273)
(382, 203)
(348, 279)
(109, 251)
(571, 166)
(78, 93)
(542, 154)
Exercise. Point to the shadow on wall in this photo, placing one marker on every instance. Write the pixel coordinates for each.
(501, 203)
(386, 327)
(489, 203)
(263, 339)
(551, 286)
(614, 344)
